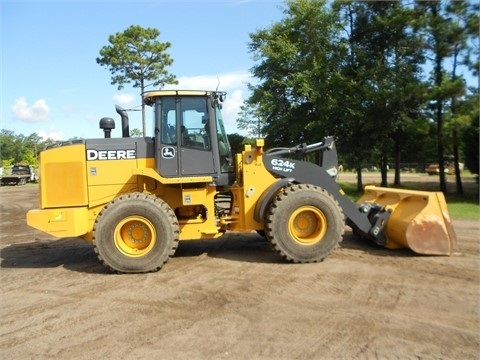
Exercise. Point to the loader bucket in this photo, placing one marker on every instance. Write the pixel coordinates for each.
(419, 220)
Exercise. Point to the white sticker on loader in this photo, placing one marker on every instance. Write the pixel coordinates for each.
(286, 166)
(93, 154)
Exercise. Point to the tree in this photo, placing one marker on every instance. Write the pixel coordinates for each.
(136, 55)
(472, 22)
(354, 70)
(135, 133)
(384, 66)
(438, 41)
(8, 150)
(448, 26)
(19, 148)
(348, 70)
(470, 133)
(296, 64)
(236, 142)
(249, 120)
(462, 17)
(471, 148)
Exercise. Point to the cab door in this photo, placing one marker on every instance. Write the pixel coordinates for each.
(183, 145)
(196, 156)
(166, 147)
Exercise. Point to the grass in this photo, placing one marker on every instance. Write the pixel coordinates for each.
(463, 207)
(463, 211)
(460, 207)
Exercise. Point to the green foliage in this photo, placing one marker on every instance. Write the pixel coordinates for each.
(236, 142)
(7, 163)
(18, 148)
(383, 65)
(355, 70)
(30, 158)
(136, 56)
(249, 120)
(136, 133)
(298, 59)
(446, 28)
(471, 149)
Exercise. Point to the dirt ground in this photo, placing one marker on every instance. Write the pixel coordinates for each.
(234, 298)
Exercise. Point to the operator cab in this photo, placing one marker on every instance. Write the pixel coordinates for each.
(190, 137)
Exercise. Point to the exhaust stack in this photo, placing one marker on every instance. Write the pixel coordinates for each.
(125, 123)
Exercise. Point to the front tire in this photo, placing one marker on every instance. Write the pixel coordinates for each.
(304, 223)
(135, 233)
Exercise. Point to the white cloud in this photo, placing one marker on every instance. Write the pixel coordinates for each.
(124, 99)
(234, 80)
(51, 133)
(230, 110)
(224, 82)
(38, 111)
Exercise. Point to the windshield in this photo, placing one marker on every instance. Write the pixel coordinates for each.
(226, 159)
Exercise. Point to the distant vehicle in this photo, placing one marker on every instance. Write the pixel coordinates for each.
(434, 169)
(21, 174)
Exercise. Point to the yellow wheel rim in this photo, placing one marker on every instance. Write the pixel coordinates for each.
(135, 236)
(307, 225)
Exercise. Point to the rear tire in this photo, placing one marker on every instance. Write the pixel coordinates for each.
(135, 233)
(304, 223)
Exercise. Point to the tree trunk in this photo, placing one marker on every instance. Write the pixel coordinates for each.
(458, 178)
(359, 179)
(396, 181)
(439, 118)
(144, 120)
(383, 171)
(453, 108)
(440, 149)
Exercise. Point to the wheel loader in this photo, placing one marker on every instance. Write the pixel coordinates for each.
(134, 199)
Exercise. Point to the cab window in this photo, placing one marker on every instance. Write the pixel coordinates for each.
(194, 123)
(168, 114)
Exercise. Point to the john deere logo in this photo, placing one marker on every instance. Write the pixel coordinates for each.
(168, 152)
(93, 154)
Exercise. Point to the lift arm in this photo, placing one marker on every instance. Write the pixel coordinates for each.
(369, 219)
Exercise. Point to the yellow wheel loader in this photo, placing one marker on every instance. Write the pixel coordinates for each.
(135, 198)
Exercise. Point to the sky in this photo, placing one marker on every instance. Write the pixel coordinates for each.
(51, 84)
